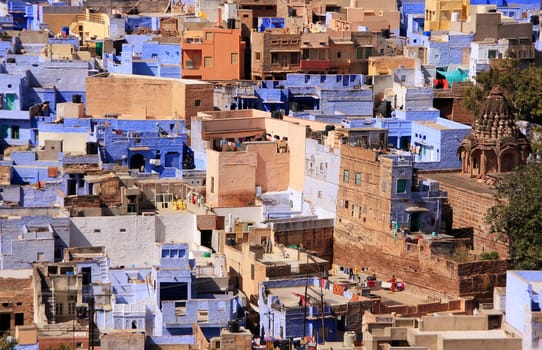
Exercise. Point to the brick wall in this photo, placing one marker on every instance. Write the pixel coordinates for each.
(470, 205)
(16, 296)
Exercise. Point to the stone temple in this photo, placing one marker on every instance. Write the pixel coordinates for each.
(496, 145)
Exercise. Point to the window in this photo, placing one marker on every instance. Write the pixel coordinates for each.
(189, 64)
(208, 36)
(252, 272)
(122, 230)
(197, 103)
(180, 308)
(234, 58)
(15, 132)
(294, 58)
(207, 62)
(212, 184)
(71, 308)
(19, 319)
(401, 185)
(165, 253)
(358, 179)
(40, 256)
(59, 308)
(384, 186)
(258, 56)
(492, 54)
(203, 316)
(359, 52)
(346, 175)
(97, 230)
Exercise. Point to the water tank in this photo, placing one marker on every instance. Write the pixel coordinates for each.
(284, 344)
(455, 16)
(233, 326)
(230, 23)
(349, 339)
(328, 129)
(76, 98)
(427, 33)
(92, 148)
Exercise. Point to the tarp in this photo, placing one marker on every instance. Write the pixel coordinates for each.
(456, 76)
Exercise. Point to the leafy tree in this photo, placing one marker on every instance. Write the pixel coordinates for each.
(516, 216)
(523, 86)
(7, 342)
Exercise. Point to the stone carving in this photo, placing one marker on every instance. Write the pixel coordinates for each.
(496, 145)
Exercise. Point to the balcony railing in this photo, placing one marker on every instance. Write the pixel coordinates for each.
(314, 64)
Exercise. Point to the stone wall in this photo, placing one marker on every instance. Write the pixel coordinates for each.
(431, 273)
(470, 202)
(17, 297)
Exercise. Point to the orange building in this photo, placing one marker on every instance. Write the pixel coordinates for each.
(213, 54)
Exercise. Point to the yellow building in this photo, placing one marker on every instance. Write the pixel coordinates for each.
(440, 13)
(96, 26)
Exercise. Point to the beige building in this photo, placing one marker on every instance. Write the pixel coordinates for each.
(247, 152)
(442, 331)
(274, 54)
(141, 97)
(57, 17)
(258, 258)
(386, 65)
(439, 14)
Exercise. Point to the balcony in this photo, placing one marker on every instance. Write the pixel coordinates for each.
(320, 65)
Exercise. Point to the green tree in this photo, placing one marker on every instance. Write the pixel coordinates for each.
(7, 342)
(516, 216)
(523, 87)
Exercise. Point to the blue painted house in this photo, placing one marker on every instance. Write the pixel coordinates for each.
(143, 56)
(321, 94)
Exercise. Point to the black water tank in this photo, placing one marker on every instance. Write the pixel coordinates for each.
(285, 344)
(76, 98)
(92, 148)
(328, 129)
(231, 23)
(233, 326)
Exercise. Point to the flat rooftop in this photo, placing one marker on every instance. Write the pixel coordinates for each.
(288, 296)
(460, 181)
(433, 125)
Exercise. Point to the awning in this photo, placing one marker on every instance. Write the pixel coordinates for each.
(416, 210)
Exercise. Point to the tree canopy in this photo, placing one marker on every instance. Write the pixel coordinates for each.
(523, 86)
(7, 342)
(517, 216)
